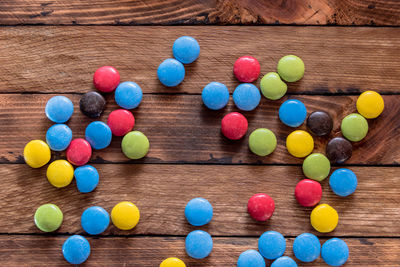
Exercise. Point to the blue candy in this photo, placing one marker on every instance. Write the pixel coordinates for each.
(171, 72)
(271, 245)
(95, 220)
(215, 95)
(76, 249)
(335, 252)
(186, 49)
(198, 244)
(86, 178)
(292, 112)
(284, 261)
(246, 96)
(98, 134)
(250, 258)
(58, 137)
(343, 182)
(128, 95)
(306, 247)
(198, 211)
(59, 109)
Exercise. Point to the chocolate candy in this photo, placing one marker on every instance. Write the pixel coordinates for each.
(172, 262)
(354, 127)
(125, 215)
(92, 104)
(335, 252)
(60, 173)
(95, 220)
(272, 87)
(198, 211)
(324, 218)
(98, 134)
(246, 96)
(262, 142)
(308, 192)
(320, 123)
(291, 68)
(79, 152)
(284, 261)
(299, 143)
(316, 166)
(76, 249)
(106, 79)
(215, 95)
(186, 49)
(246, 69)
(370, 104)
(198, 244)
(271, 245)
(234, 125)
(292, 112)
(58, 137)
(339, 150)
(87, 178)
(37, 153)
(171, 72)
(121, 122)
(260, 207)
(343, 182)
(59, 109)
(306, 247)
(250, 258)
(135, 145)
(128, 95)
(48, 217)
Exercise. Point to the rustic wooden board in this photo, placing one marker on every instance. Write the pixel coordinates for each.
(134, 12)
(63, 59)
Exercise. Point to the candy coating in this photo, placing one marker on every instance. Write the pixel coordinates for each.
(339, 150)
(335, 252)
(306, 247)
(324, 218)
(76, 249)
(37, 153)
(171, 72)
(48, 217)
(215, 95)
(234, 125)
(320, 123)
(343, 182)
(172, 262)
(58, 137)
(87, 178)
(198, 244)
(135, 145)
(299, 143)
(60, 173)
(121, 122)
(308, 192)
(262, 142)
(79, 152)
(261, 207)
(246, 96)
(98, 134)
(128, 95)
(198, 211)
(272, 87)
(291, 68)
(95, 220)
(370, 104)
(284, 261)
(246, 69)
(250, 258)
(186, 49)
(354, 127)
(106, 79)
(292, 112)
(271, 245)
(59, 109)
(92, 104)
(125, 215)
(316, 166)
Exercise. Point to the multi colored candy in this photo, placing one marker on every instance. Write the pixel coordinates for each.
(262, 142)
(125, 215)
(106, 79)
(306, 247)
(250, 258)
(59, 109)
(291, 68)
(354, 127)
(60, 173)
(58, 137)
(316, 166)
(121, 122)
(198, 211)
(246, 96)
(171, 72)
(48, 217)
(128, 95)
(234, 125)
(370, 104)
(186, 49)
(92, 104)
(37, 153)
(271, 245)
(308, 192)
(261, 207)
(272, 87)
(98, 134)
(95, 220)
(324, 218)
(135, 145)
(198, 244)
(246, 69)
(343, 182)
(339, 150)
(299, 143)
(320, 123)
(215, 95)
(79, 152)
(76, 249)
(292, 112)
(335, 252)
(87, 178)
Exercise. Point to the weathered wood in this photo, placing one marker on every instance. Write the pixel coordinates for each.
(63, 59)
(134, 12)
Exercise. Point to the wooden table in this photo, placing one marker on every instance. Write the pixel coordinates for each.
(43, 53)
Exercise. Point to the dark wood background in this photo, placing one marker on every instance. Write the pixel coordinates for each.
(53, 47)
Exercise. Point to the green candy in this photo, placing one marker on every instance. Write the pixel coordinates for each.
(354, 127)
(48, 217)
(262, 142)
(291, 68)
(272, 87)
(135, 145)
(316, 166)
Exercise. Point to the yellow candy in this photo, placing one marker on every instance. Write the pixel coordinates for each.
(172, 262)
(125, 215)
(37, 153)
(60, 173)
(299, 143)
(370, 104)
(324, 218)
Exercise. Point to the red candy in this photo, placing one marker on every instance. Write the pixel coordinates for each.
(261, 207)
(106, 79)
(79, 152)
(246, 69)
(121, 122)
(234, 125)
(308, 192)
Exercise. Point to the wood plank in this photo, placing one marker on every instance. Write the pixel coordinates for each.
(151, 251)
(134, 12)
(182, 130)
(63, 59)
(162, 191)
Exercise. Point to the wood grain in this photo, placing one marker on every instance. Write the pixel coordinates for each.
(136, 12)
(63, 59)
(162, 191)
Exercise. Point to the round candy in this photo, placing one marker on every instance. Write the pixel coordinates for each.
(171, 72)
(87, 178)
(215, 95)
(370, 104)
(186, 49)
(198, 211)
(299, 143)
(234, 125)
(271, 245)
(37, 153)
(260, 207)
(354, 127)
(284, 261)
(76, 249)
(59, 109)
(106, 79)
(60, 173)
(92, 104)
(246, 69)
(79, 152)
(58, 137)
(48, 217)
(250, 258)
(320, 123)
(172, 262)
(98, 134)
(135, 145)
(306, 247)
(262, 142)
(308, 192)
(246, 96)
(316, 166)
(343, 182)
(272, 87)
(95, 220)
(121, 122)
(128, 95)
(335, 252)
(291, 68)
(125, 215)
(198, 244)
(339, 150)
(324, 218)
(292, 112)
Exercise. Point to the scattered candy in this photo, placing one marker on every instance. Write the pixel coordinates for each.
(343, 182)
(272, 87)
(261, 207)
(324, 218)
(58, 137)
(299, 143)
(37, 153)
(172, 262)
(250, 258)
(171, 72)
(121, 122)
(335, 252)
(125, 215)
(198, 211)
(306, 247)
(284, 261)
(59, 109)
(354, 127)
(339, 150)
(186, 49)
(271, 245)
(215, 95)
(370, 104)
(79, 152)
(316, 166)
(60, 173)
(246, 69)
(292, 113)
(262, 142)
(98, 134)
(291, 68)
(95, 220)
(106, 79)
(320, 123)
(234, 125)
(246, 96)
(87, 178)
(92, 104)
(135, 145)
(308, 192)
(128, 95)
(198, 244)
(48, 217)
(76, 249)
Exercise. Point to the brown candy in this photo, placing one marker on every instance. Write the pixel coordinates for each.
(320, 123)
(92, 104)
(339, 150)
